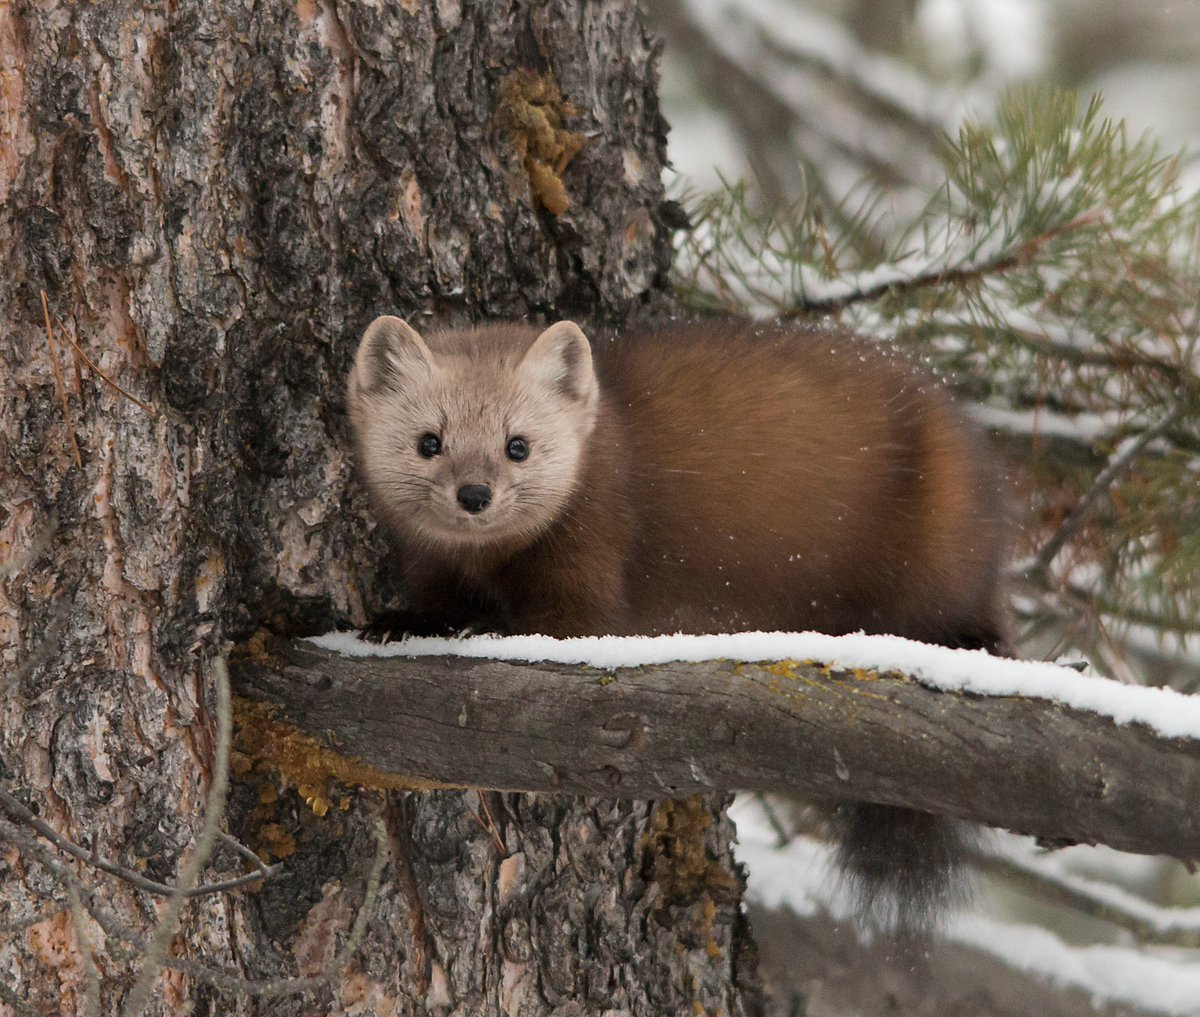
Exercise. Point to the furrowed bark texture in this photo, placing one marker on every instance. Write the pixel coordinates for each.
(680, 729)
(216, 197)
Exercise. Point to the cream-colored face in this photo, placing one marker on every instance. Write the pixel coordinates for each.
(479, 443)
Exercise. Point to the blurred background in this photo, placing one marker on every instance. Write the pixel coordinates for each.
(938, 174)
(941, 58)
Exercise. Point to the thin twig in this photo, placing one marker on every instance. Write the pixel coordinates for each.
(782, 837)
(75, 352)
(7, 995)
(15, 809)
(370, 896)
(15, 925)
(223, 979)
(58, 381)
(95, 367)
(400, 840)
(83, 945)
(214, 812)
(1096, 353)
(274, 988)
(30, 848)
(1170, 339)
(489, 824)
(1175, 930)
(1117, 465)
(265, 871)
(40, 542)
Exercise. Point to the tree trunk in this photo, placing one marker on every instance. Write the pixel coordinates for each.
(215, 199)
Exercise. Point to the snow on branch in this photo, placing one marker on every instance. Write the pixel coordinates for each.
(881, 719)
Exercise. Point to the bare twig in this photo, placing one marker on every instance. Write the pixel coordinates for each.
(15, 809)
(7, 995)
(1117, 465)
(370, 895)
(489, 824)
(1092, 350)
(776, 120)
(223, 979)
(398, 824)
(74, 363)
(782, 836)
(83, 944)
(265, 871)
(155, 953)
(58, 381)
(1154, 925)
(40, 542)
(14, 925)
(1170, 339)
(274, 988)
(31, 849)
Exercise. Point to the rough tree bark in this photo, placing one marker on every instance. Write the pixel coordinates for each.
(215, 199)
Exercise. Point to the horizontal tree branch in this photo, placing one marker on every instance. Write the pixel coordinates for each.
(1034, 766)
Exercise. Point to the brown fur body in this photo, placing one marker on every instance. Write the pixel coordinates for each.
(739, 477)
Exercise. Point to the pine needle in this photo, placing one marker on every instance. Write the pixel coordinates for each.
(58, 382)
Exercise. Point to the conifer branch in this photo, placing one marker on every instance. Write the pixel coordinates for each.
(962, 274)
(1120, 463)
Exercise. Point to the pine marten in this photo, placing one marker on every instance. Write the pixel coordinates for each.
(695, 478)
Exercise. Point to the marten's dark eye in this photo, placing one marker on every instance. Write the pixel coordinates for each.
(429, 445)
(518, 449)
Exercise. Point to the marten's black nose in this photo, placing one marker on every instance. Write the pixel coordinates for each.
(474, 497)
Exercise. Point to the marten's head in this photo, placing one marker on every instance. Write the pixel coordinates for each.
(473, 439)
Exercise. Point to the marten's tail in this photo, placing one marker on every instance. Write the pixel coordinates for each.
(903, 867)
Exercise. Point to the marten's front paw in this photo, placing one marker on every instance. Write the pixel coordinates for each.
(392, 626)
(395, 625)
(482, 628)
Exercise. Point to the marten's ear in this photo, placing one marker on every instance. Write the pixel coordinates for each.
(561, 357)
(390, 355)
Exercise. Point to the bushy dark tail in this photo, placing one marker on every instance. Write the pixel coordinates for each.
(903, 867)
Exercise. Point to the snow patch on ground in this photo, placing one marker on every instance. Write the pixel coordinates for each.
(1170, 713)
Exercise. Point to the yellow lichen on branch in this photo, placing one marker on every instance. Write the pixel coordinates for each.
(305, 763)
(532, 111)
